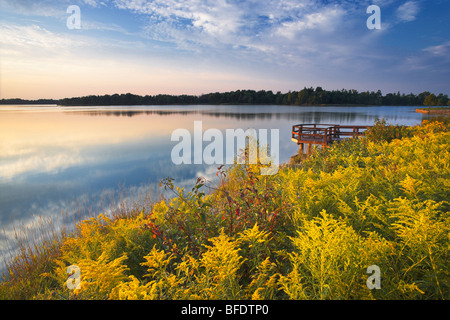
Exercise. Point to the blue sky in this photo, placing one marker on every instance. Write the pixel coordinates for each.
(201, 46)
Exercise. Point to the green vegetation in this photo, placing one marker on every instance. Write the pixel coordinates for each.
(440, 100)
(23, 101)
(309, 232)
(306, 96)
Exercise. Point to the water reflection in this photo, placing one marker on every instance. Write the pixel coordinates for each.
(339, 115)
(85, 160)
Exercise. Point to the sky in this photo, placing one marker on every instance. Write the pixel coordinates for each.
(150, 47)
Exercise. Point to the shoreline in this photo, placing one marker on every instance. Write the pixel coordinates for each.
(434, 111)
(208, 104)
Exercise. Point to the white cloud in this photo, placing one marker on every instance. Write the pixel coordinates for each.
(408, 11)
(213, 18)
(95, 3)
(95, 25)
(249, 25)
(432, 62)
(20, 43)
(442, 50)
(47, 8)
(324, 20)
(234, 27)
(31, 36)
(43, 8)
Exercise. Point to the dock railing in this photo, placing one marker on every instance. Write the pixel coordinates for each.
(325, 134)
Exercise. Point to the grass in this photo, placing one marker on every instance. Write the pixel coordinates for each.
(309, 232)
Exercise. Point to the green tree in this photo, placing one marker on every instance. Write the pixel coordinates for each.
(442, 99)
(430, 100)
(302, 96)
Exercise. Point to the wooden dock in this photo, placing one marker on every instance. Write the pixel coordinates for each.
(324, 134)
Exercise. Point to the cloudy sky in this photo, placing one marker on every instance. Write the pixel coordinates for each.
(200, 46)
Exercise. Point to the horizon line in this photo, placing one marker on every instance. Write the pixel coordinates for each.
(221, 92)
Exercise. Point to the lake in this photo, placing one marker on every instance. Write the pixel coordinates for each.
(64, 163)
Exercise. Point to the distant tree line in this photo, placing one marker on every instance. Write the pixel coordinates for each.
(306, 96)
(22, 101)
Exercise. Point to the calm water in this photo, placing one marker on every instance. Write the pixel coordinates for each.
(62, 162)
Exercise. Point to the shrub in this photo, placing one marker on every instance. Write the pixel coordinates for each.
(381, 131)
(329, 261)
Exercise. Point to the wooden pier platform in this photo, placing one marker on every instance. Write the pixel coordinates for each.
(324, 134)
